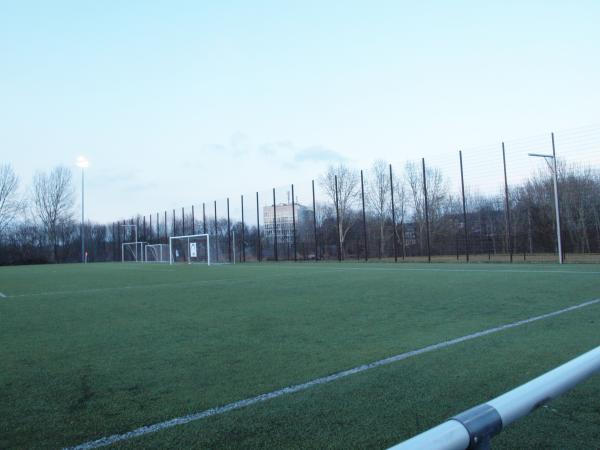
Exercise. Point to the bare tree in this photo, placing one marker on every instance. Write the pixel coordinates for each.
(10, 205)
(437, 197)
(415, 185)
(53, 200)
(348, 189)
(400, 201)
(378, 198)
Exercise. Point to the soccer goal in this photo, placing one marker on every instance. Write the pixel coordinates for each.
(157, 253)
(194, 248)
(132, 252)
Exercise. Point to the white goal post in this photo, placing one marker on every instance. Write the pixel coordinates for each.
(193, 248)
(157, 253)
(132, 251)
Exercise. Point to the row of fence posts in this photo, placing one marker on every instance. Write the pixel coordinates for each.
(339, 243)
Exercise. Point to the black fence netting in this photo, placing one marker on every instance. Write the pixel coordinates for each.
(494, 203)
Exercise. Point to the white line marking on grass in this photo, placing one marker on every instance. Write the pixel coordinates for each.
(2, 295)
(317, 381)
(138, 286)
(433, 269)
(118, 288)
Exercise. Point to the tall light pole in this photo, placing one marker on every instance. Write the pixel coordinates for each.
(551, 161)
(83, 163)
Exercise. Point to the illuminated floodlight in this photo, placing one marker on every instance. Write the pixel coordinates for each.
(82, 162)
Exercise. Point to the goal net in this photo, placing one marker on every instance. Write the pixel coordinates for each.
(190, 249)
(132, 252)
(157, 253)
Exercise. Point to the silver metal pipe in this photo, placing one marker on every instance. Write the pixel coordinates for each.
(449, 435)
(521, 401)
(556, 207)
(511, 406)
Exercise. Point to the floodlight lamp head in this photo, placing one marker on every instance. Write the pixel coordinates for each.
(82, 162)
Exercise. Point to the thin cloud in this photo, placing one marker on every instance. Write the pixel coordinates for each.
(284, 153)
(318, 154)
(277, 148)
(124, 181)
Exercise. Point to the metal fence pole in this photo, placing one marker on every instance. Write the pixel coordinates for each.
(402, 237)
(113, 241)
(258, 247)
(216, 233)
(315, 221)
(150, 226)
(508, 242)
(426, 210)
(393, 217)
(193, 221)
(117, 240)
(173, 229)
(228, 232)
(204, 218)
(337, 214)
(464, 205)
(294, 223)
(556, 204)
(183, 221)
(364, 216)
(166, 227)
(275, 227)
(243, 243)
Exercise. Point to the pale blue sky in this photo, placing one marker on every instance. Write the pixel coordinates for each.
(162, 96)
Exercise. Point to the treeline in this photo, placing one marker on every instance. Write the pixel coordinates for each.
(37, 223)
(379, 213)
(427, 217)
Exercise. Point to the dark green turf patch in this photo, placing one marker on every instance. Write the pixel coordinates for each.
(89, 351)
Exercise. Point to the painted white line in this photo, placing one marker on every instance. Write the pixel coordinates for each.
(118, 288)
(318, 269)
(142, 286)
(326, 266)
(2, 295)
(318, 381)
(136, 286)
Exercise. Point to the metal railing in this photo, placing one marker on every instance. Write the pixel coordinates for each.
(474, 428)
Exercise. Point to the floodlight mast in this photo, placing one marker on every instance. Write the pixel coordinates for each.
(84, 164)
(554, 170)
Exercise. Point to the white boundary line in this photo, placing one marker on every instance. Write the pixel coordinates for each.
(317, 381)
(2, 295)
(118, 288)
(318, 269)
(136, 286)
(331, 266)
(435, 269)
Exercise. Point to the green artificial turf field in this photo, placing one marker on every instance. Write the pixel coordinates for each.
(88, 351)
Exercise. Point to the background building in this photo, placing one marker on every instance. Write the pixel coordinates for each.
(284, 218)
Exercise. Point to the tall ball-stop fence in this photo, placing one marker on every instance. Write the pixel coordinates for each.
(493, 203)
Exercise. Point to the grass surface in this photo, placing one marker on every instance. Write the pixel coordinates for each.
(89, 351)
